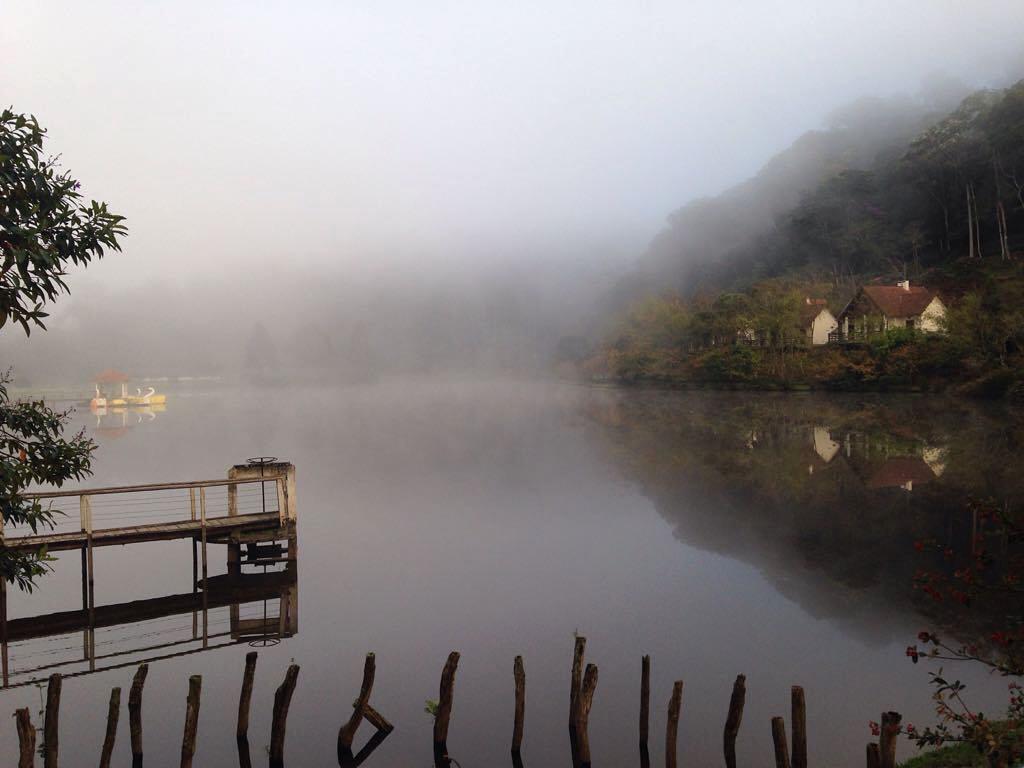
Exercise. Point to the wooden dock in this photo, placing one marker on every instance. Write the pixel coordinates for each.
(252, 512)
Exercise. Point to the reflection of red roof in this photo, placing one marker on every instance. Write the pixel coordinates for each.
(112, 432)
(901, 470)
(110, 376)
(897, 301)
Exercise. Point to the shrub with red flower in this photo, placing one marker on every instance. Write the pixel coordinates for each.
(992, 576)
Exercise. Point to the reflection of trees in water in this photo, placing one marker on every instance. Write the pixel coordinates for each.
(825, 495)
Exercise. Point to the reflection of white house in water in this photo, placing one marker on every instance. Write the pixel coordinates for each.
(824, 446)
(935, 458)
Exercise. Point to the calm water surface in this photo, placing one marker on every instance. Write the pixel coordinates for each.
(720, 533)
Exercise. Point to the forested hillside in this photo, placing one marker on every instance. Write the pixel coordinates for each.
(892, 186)
(896, 193)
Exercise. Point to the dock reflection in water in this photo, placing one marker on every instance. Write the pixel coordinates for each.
(259, 607)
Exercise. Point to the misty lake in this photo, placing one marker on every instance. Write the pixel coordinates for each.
(721, 533)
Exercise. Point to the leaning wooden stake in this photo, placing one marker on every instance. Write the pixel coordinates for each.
(444, 709)
(26, 739)
(242, 730)
(586, 698)
(113, 712)
(645, 701)
(732, 722)
(188, 740)
(282, 700)
(135, 713)
(520, 711)
(244, 699)
(887, 738)
(672, 727)
(781, 748)
(377, 720)
(347, 732)
(51, 724)
(874, 758)
(799, 725)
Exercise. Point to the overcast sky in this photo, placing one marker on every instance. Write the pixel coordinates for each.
(388, 134)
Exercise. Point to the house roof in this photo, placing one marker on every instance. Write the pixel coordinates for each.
(897, 301)
(810, 309)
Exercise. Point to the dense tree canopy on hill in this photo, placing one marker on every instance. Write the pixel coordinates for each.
(892, 187)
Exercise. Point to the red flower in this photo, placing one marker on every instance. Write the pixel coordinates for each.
(875, 729)
(924, 637)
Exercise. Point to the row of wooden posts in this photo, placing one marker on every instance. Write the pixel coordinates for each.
(583, 685)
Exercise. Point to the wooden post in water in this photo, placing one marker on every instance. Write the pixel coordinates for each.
(644, 702)
(586, 698)
(377, 720)
(244, 698)
(113, 713)
(874, 757)
(135, 713)
(735, 717)
(51, 724)
(446, 694)
(188, 740)
(799, 725)
(575, 683)
(887, 738)
(519, 673)
(282, 700)
(26, 739)
(576, 680)
(347, 732)
(779, 738)
(675, 704)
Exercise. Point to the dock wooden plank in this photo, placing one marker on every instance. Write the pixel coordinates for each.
(56, 542)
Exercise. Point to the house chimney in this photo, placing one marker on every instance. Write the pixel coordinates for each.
(904, 284)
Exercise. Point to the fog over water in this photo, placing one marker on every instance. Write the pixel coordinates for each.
(396, 154)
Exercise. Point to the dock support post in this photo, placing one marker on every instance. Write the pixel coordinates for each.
(3, 630)
(206, 620)
(195, 563)
(92, 603)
